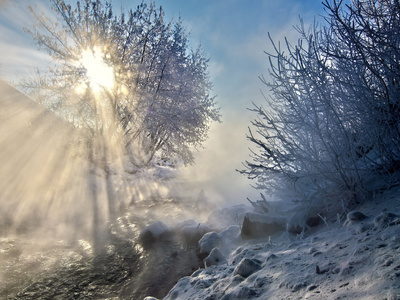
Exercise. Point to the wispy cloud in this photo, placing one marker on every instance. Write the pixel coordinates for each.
(18, 53)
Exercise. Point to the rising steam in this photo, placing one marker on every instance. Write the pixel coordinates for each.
(57, 178)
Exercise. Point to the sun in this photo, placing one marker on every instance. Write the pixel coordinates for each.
(99, 74)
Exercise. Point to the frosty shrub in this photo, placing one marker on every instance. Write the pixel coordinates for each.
(159, 100)
(330, 126)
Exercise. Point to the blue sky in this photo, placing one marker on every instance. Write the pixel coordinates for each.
(233, 33)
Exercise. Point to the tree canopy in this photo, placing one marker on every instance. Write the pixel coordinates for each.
(131, 77)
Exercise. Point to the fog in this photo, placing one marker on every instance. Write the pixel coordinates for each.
(56, 180)
(42, 179)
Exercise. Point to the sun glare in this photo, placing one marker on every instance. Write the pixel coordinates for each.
(99, 74)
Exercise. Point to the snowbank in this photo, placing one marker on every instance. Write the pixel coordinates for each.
(356, 259)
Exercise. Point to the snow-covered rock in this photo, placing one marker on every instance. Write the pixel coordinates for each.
(230, 235)
(215, 258)
(385, 219)
(356, 216)
(246, 267)
(209, 241)
(328, 262)
(153, 233)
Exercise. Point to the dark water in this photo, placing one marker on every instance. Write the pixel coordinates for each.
(36, 268)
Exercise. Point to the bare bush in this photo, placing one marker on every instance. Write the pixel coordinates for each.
(331, 124)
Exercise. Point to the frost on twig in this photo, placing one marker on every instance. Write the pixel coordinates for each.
(260, 206)
(338, 220)
(325, 221)
(302, 234)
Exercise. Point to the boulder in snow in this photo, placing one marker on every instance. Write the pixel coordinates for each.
(246, 267)
(215, 258)
(257, 225)
(209, 241)
(355, 216)
(153, 233)
(231, 234)
(241, 292)
(385, 219)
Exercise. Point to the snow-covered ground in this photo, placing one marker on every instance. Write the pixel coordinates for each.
(350, 259)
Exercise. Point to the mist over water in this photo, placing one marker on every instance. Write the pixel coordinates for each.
(52, 171)
(36, 159)
(68, 201)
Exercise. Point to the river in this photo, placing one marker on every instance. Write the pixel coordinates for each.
(33, 266)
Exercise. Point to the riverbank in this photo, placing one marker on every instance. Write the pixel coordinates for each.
(357, 258)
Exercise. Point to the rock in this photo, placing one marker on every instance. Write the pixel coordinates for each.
(153, 233)
(262, 281)
(316, 253)
(235, 281)
(240, 293)
(246, 293)
(322, 270)
(385, 219)
(311, 287)
(271, 257)
(356, 216)
(312, 250)
(209, 241)
(215, 258)
(246, 267)
(257, 225)
(298, 286)
(231, 233)
(363, 228)
(346, 270)
(191, 231)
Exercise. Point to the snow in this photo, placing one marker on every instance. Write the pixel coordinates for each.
(356, 259)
